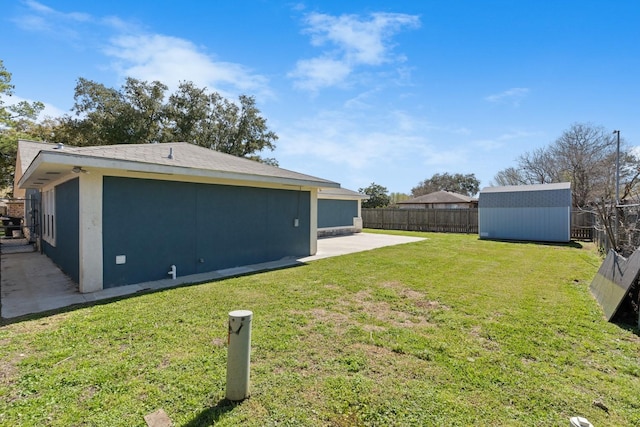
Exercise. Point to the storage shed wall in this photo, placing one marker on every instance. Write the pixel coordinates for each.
(197, 227)
(542, 215)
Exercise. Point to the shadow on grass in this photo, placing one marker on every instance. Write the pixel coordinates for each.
(626, 316)
(630, 327)
(571, 244)
(211, 415)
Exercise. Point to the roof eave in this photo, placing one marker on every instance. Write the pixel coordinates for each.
(70, 160)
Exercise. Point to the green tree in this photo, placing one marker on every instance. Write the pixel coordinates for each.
(378, 196)
(398, 197)
(138, 113)
(457, 183)
(585, 155)
(106, 116)
(16, 121)
(209, 120)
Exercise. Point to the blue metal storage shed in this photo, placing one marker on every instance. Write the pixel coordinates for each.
(540, 212)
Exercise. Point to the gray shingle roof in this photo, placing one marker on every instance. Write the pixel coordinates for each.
(168, 157)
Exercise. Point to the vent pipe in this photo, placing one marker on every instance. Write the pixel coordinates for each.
(238, 355)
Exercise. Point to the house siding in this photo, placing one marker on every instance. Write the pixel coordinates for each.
(65, 253)
(197, 227)
(541, 215)
(337, 213)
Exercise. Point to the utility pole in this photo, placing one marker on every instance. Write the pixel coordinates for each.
(617, 132)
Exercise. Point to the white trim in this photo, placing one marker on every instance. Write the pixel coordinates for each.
(90, 233)
(49, 216)
(313, 226)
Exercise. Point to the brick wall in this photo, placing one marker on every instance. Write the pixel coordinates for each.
(15, 208)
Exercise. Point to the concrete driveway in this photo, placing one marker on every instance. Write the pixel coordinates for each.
(359, 242)
(32, 283)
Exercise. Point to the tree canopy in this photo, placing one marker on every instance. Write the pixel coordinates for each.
(141, 112)
(587, 156)
(16, 121)
(467, 184)
(584, 155)
(378, 196)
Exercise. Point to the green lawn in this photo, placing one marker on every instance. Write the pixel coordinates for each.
(449, 331)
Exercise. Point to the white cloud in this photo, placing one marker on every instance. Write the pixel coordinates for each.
(511, 96)
(447, 160)
(142, 55)
(39, 17)
(502, 140)
(313, 74)
(348, 41)
(362, 41)
(171, 60)
(40, 8)
(49, 109)
(352, 141)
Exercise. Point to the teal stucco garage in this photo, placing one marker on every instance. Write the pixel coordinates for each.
(125, 214)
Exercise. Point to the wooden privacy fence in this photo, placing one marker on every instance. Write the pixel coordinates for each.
(455, 221)
(582, 224)
(437, 220)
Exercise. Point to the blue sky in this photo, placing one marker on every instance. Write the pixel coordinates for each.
(389, 92)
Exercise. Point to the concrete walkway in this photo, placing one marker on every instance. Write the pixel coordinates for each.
(31, 283)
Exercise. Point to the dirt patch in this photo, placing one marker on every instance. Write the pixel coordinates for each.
(384, 363)
(365, 310)
(485, 342)
(373, 328)
(418, 297)
(431, 305)
(8, 370)
(9, 373)
(402, 291)
(318, 316)
(385, 312)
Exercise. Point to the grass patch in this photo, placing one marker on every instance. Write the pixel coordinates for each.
(451, 330)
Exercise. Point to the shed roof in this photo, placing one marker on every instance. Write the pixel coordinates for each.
(533, 187)
(177, 158)
(440, 197)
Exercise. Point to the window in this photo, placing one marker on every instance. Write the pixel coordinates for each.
(48, 216)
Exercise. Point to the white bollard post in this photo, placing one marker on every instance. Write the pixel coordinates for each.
(239, 354)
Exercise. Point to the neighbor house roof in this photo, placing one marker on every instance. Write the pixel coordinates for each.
(179, 158)
(439, 197)
(533, 187)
